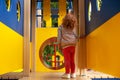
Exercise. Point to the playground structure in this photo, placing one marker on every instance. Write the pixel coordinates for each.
(35, 22)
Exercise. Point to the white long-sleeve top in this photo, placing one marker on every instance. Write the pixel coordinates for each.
(66, 37)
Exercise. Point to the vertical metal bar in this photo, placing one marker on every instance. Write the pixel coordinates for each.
(26, 64)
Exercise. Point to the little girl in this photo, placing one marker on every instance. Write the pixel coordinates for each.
(67, 39)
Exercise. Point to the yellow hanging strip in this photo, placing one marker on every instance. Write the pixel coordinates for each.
(62, 10)
(47, 13)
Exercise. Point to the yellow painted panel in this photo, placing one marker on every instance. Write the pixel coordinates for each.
(62, 10)
(47, 13)
(103, 51)
(11, 50)
(42, 35)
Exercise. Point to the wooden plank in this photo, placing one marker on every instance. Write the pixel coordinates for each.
(12, 75)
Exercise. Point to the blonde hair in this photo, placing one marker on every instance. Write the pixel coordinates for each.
(69, 21)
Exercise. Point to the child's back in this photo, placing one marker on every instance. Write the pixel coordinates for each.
(68, 37)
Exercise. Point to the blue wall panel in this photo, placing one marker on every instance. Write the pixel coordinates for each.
(9, 18)
(109, 8)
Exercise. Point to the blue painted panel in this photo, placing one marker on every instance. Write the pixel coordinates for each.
(105, 78)
(109, 8)
(52, 0)
(10, 17)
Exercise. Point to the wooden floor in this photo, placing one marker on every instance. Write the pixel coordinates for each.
(57, 76)
(89, 74)
(47, 76)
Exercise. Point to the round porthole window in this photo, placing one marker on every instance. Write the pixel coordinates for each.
(98, 4)
(50, 54)
(89, 11)
(18, 11)
(8, 4)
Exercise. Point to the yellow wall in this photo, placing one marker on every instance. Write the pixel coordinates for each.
(42, 35)
(45, 33)
(11, 50)
(103, 47)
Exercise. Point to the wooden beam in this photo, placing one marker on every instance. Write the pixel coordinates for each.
(33, 56)
(75, 10)
(26, 63)
(82, 43)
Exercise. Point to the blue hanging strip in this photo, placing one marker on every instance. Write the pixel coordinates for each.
(38, 5)
(71, 5)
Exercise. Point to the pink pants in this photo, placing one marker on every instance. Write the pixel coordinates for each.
(69, 53)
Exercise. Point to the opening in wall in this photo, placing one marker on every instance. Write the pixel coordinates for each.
(8, 4)
(18, 11)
